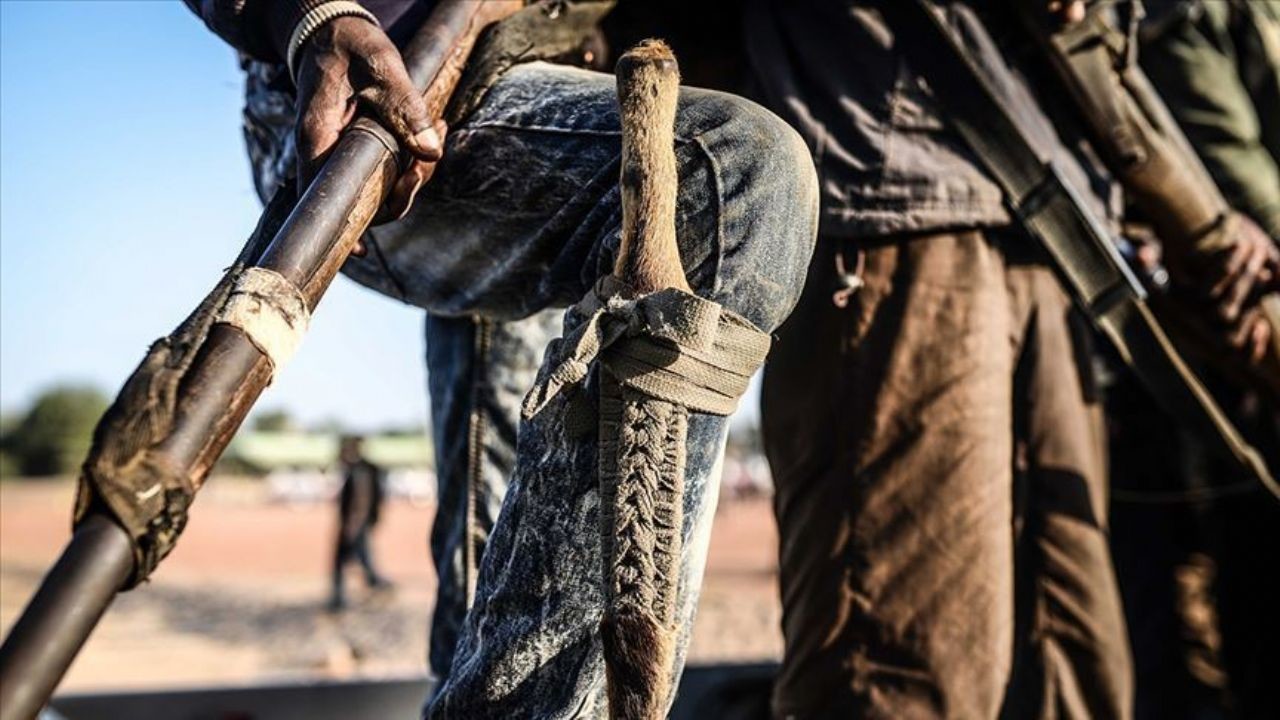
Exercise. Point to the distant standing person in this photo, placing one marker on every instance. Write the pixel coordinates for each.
(358, 506)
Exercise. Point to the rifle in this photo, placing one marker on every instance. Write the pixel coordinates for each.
(175, 415)
(1142, 143)
(1053, 212)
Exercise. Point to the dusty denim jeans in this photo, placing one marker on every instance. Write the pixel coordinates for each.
(478, 371)
(524, 214)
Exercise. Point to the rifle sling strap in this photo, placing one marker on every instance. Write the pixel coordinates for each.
(1052, 211)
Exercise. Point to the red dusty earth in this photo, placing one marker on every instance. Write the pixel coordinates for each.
(241, 599)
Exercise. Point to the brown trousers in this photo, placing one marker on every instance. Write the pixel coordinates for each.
(894, 427)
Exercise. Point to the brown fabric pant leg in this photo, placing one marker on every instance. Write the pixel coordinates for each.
(888, 425)
(1072, 658)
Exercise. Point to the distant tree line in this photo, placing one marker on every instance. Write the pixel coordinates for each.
(53, 435)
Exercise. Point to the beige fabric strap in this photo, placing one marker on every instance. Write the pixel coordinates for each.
(668, 345)
(270, 311)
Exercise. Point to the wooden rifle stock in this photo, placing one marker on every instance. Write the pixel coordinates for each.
(229, 372)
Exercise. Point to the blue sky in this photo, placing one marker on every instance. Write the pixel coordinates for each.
(124, 189)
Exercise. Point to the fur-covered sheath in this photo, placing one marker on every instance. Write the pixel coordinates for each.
(642, 440)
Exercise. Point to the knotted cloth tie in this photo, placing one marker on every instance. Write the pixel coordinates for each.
(669, 345)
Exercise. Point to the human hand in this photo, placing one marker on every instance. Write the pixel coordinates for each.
(348, 64)
(1247, 267)
(1226, 280)
(1252, 334)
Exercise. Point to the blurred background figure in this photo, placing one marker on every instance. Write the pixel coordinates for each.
(358, 506)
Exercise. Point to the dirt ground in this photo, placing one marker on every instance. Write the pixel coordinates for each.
(241, 599)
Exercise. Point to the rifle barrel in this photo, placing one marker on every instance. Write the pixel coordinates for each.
(60, 616)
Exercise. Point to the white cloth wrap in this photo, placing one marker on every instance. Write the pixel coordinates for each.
(270, 311)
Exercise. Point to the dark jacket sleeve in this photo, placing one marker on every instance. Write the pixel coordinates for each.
(259, 28)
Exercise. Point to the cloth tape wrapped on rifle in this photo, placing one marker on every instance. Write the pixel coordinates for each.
(124, 474)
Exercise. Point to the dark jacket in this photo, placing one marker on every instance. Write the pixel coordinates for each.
(260, 28)
(887, 159)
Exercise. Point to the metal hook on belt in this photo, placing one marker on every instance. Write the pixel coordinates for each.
(848, 283)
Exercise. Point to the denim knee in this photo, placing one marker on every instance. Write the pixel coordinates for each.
(769, 204)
